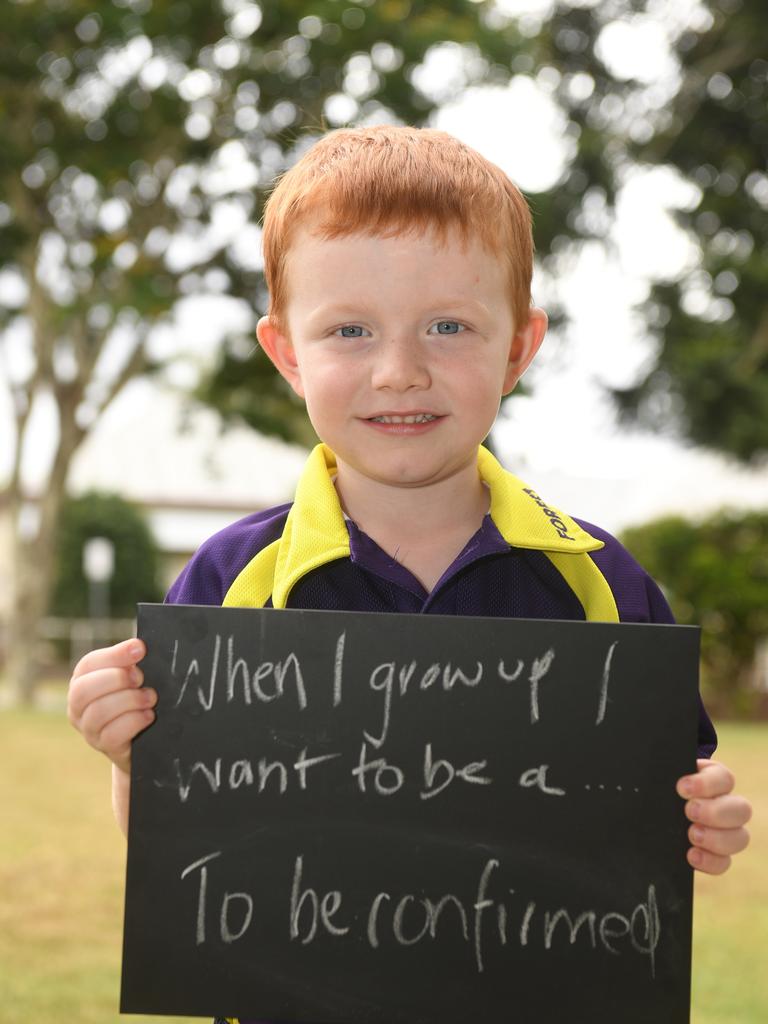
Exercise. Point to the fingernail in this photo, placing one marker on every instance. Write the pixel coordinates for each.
(136, 650)
(686, 787)
(697, 835)
(694, 809)
(136, 675)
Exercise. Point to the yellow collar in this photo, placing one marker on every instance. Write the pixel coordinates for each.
(524, 519)
(315, 531)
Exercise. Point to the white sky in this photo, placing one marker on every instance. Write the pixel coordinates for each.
(564, 439)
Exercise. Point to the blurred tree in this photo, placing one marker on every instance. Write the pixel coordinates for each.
(715, 574)
(707, 119)
(138, 139)
(136, 569)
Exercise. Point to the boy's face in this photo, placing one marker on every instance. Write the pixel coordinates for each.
(401, 348)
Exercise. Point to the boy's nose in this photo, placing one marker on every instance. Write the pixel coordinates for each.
(400, 364)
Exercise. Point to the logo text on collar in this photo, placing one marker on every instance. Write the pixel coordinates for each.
(551, 514)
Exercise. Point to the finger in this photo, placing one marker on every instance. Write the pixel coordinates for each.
(727, 811)
(84, 690)
(120, 733)
(722, 841)
(101, 713)
(121, 655)
(709, 863)
(712, 779)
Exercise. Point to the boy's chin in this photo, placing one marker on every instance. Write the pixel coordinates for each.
(404, 469)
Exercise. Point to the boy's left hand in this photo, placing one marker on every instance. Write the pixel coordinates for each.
(718, 817)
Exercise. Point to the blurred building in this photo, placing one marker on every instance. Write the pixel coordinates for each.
(189, 477)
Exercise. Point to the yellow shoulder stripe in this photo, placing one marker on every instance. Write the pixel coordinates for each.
(588, 584)
(252, 587)
(314, 533)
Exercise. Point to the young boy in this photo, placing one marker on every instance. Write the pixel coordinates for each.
(398, 262)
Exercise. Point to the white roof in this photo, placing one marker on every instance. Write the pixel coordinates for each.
(149, 449)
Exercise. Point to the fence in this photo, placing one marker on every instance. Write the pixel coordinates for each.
(82, 635)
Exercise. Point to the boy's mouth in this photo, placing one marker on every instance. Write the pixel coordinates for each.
(419, 417)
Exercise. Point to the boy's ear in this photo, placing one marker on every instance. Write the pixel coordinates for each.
(525, 344)
(281, 352)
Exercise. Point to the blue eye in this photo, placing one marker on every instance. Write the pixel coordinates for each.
(448, 323)
(452, 325)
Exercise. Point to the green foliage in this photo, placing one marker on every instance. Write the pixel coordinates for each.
(714, 574)
(247, 389)
(708, 378)
(140, 138)
(134, 107)
(119, 118)
(136, 570)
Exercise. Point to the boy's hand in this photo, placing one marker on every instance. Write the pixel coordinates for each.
(718, 817)
(107, 702)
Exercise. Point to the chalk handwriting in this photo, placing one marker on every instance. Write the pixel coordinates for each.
(224, 673)
(387, 778)
(447, 773)
(241, 773)
(227, 935)
(604, 684)
(539, 669)
(510, 677)
(387, 679)
(338, 667)
(202, 892)
(479, 919)
(266, 681)
(321, 910)
(538, 777)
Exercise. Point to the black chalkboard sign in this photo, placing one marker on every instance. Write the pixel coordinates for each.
(373, 818)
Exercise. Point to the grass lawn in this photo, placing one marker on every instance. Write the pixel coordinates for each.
(61, 881)
(730, 917)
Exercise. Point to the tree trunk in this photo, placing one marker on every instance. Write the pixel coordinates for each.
(32, 587)
(34, 554)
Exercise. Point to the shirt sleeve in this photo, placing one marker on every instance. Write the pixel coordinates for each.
(218, 562)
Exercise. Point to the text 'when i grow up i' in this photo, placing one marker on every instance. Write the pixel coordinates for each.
(224, 677)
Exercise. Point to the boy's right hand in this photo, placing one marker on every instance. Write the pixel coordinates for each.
(107, 702)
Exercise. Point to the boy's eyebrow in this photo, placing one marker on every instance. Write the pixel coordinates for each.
(349, 308)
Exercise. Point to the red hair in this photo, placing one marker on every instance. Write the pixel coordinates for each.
(395, 180)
